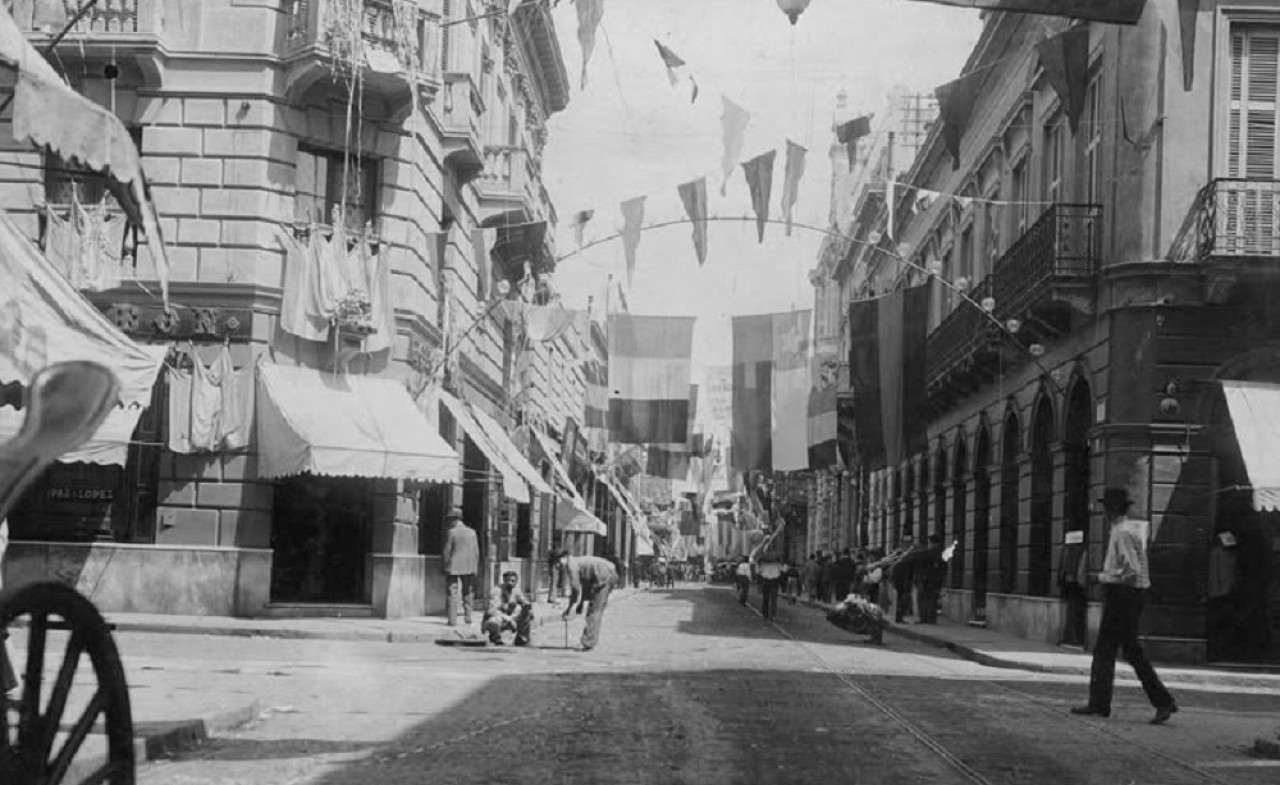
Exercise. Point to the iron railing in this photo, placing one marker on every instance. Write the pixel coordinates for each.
(106, 16)
(1231, 218)
(398, 29)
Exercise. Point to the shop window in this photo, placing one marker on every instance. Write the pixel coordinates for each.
(321, 536)
(433, 504)
(1021, 187)
(1055, 160)
(326, 179)
(524, 531)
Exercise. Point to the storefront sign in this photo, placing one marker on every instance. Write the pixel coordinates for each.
(66, 494)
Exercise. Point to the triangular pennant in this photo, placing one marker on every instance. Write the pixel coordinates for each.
(670, 59)
(791, 180)
(955, 102)
(590, 12)
(759, 173)
(579, 223)
(632, 218)
(849, 133)
(1065, 59)
(693, 94)
(694, 196)
(733, 120)
(1188, 13)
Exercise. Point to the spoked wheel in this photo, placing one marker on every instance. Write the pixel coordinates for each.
(44, 730)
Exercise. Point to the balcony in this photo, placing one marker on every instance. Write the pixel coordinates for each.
(509, 182)
(460, 115)
(394, 56)
(126, 32)
(1233, 230)
(1044, 280)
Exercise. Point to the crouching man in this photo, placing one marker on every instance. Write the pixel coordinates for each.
(509, 610)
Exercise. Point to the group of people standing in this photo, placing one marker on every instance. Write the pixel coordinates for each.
(916, 571)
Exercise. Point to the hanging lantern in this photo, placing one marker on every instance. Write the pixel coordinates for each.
(988, 304)
(962, 284)
(793, 8)
(1036, 349)
(935, 268)
(1014, 325)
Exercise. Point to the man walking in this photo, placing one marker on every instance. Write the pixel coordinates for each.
(1125, 578)
(769, 570)
(461, 560)
(590, 578)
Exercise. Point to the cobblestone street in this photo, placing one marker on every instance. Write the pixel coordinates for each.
(686, 687)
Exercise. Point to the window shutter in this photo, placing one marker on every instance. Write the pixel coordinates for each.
(445, 36)
(1251, 127)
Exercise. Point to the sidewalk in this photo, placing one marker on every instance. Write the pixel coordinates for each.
(1002, 650)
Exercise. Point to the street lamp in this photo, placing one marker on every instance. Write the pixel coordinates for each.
(793, 8)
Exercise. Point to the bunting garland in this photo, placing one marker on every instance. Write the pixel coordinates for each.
(674, 62)
(590, 12)
(733, 120)
(955, 102)
(632, 219)
(791, 180)
(694, 197)
(849, 133)
(1188, 13)
(759, 174)
(579, 223)
(1065, 59)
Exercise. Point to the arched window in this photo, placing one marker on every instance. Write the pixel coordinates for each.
(1009, 471)
(981, 519)
(1075, 445)
(909, 503)
(959, 513)
(922, 529)
(1040, 535)
(940, 493)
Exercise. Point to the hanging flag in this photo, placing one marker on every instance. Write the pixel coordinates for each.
(887, 374)
(789, 388)
(770, 391)
(694, 196)
(759, 173)
(1188, 14)
(1125, 12)
(791, 180)
(733, 120)
(595, 415)
(955, 101)
(632, 220)
(673, 62)
(482, 245)
(1065, 60)
(650, 359)
(823, 426)
(579, 223)
(674, 461)
(519, 245)
(891, 199)
(590, 12)
(849, 133)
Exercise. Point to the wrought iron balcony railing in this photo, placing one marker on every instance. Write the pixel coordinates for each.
(1050, 270)
(106, 17)
(1231, 219)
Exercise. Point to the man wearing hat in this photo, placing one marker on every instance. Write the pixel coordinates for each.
(461, 561)
(590, 578)
(1125, 578)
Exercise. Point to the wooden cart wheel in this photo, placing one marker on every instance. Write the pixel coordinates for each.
(44, 730)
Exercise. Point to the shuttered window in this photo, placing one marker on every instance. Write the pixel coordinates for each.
(1093, 143)
(1251, 125)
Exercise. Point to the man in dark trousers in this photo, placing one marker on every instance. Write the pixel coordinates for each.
(930, 574)
(1125, 578)
(590, 578)
(461, 560)
(903, 576)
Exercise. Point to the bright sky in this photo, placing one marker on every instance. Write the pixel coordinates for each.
(629, 132)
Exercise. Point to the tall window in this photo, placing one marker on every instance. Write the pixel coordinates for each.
(991, 231)
(968, 266)
(1251, 127)
(326, 177)
(1021, 196)
(1093, 143)
(1055, 147)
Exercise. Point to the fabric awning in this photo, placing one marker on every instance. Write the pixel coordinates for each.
(513, 484)
(109, 445)
(510, 452)
(573, 517)
(1255, 414)
(45, 320)
(346, 426)
(564, 483)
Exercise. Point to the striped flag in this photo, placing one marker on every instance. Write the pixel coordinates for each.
(823, 424)
(650, 362)
(1125, 12)
(595, 417)
(887, 374)
(673, 461)
(771, 391)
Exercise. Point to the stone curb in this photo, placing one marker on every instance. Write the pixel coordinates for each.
(1204, 678)
(152, 740)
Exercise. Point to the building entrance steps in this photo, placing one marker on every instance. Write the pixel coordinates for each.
(1002, 650)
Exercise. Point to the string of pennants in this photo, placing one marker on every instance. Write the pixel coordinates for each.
(1064, 58)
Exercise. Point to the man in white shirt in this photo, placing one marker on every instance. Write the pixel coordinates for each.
(743, 577)
(769, 570)
(1125, 577)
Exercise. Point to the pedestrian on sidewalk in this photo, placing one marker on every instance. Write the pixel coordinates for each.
(461, 561)
(742, 575)
(591, 579)
(509, 610)
(1125, 578)
(930, 573)
(769, 570)
(903, 577)
(810, 576)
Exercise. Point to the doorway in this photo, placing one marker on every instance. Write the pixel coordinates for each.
(321, 539)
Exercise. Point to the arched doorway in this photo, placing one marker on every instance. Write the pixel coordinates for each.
(1040, 535)
(1009, 470)
(909, 501)
(940, 494)
(923, 493)
(959, 511)
(1075, 499)
(981, 519)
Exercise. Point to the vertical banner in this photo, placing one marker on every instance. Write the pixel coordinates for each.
(823, 427)
(650, 363)
(789, 399)
(752, 445)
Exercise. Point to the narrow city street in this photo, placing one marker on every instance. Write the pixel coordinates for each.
(686, 687)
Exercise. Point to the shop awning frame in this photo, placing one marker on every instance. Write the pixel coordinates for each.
(1255, 416)
(510, 452)
(109, 445)
(345, 425)
(566, 490)
(513, 485)
(572, 516)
